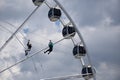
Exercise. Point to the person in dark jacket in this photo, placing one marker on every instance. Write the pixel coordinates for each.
(29, 48)
(50, 45)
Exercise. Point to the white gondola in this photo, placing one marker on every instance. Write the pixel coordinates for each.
(54, 14)
(88, 72)
(68, 31)
(38, 2)
(79, 51)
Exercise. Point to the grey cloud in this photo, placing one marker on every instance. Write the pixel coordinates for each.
(103, 43)
(112, 10)
(92, 12)
(15, 10)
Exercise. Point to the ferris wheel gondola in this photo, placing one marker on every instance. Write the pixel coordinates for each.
(68, 30)
(88, 72)
(79, 51)
(54, 14)
(38, 2)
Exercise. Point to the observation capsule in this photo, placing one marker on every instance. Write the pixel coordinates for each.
(54, 14)
(68, 32)
(87, 72)
(38, 2)
(79, 51)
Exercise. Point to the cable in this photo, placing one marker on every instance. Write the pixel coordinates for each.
(15, 36)
(67, 77)
(20, 42)
(32, 55)
(34, 65)
(10, 38)
(5, 28)
(11, 72)
(73, 41)
(15, 28)
(47, 4)
(25, 48)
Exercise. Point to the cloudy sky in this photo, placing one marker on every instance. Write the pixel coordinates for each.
(97, 20)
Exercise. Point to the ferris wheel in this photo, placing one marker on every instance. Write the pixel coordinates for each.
(68, 32)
